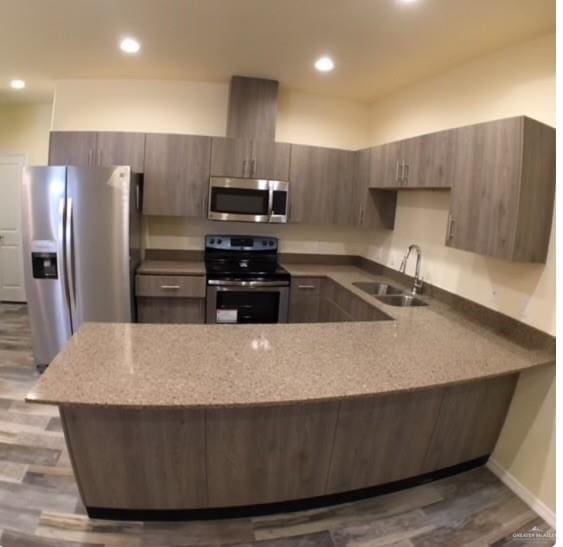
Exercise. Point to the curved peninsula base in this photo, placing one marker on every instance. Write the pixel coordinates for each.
(280, 507)
(179, 459)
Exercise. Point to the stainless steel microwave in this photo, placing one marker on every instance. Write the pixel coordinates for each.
(248, 200)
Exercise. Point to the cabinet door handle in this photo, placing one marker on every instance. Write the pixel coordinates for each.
(89, 157)
(244, 162)
(397, 167)
(170, 287)
(252, 168)
(405, 172)
(450, 233)
(306, 287)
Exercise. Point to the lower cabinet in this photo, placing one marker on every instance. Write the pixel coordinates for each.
(339, 304)
(170, 299)
(304, 300)
(184, 458)
(321, 300)
(170, 310)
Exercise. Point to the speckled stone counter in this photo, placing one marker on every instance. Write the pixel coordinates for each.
(165, 420)
(194, 366)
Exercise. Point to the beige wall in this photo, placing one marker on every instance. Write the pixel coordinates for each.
(323, 121)
(24, 129)
(178, 233)
(201, 108)
(513, 81)
(510, 82)
(198, 108)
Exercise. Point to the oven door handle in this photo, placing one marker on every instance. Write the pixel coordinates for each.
(228, 283)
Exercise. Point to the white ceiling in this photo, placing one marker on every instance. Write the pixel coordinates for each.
(377, 45)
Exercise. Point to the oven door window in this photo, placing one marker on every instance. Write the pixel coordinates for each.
(240, 201)
(247, 306)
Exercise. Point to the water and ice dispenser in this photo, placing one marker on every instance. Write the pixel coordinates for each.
(44, 265)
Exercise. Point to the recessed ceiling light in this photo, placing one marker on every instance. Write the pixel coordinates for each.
(17, 84)
(130, 45)
(324, 64)
(408, 1)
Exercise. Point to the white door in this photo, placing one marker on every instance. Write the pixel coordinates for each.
(11, 262)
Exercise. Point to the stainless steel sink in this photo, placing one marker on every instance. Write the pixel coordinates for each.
(402, 300)
(377, 289)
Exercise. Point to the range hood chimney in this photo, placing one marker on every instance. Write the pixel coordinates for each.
(253, 108)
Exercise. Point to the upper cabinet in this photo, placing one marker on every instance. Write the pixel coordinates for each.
(253, 108)
(249, 158)
(176, 178)
(421, 162)
(501, 175)
(502, 200)
(72, 148)
(376, 206)
(385, 170)
(323, 187)
(90, 148)
(115, 148)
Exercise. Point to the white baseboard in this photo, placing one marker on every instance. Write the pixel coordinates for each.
(522, 492)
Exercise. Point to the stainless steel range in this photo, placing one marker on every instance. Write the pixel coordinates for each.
(245, 283)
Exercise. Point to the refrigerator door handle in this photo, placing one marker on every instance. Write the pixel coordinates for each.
(61, 252)
(69, 260)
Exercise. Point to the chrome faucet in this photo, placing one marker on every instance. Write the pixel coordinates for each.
(417, 284)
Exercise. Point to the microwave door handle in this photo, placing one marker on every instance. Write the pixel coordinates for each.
(270, 201)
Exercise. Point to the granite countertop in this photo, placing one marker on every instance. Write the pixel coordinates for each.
(195, 366)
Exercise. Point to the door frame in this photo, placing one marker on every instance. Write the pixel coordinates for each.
(8, 158)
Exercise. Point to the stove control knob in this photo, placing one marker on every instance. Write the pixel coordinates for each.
(271, 243)
(264, 242)
(212, 241)
(219, 241)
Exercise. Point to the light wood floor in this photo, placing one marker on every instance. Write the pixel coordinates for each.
(39, 503)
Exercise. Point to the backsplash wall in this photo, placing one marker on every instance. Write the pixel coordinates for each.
(188, 234)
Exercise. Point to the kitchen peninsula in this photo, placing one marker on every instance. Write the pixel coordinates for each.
(162, 420)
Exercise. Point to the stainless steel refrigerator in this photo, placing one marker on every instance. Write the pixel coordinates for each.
(81, 246)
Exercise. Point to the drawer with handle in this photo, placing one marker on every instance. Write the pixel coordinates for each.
(304, 299)
(306, 284)
(172, 286)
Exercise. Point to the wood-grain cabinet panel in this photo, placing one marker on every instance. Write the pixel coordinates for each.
(502, 201)
(470, 420)
(170, 299)
(171, 286)
(429, 160)
(120, 148)
(241, 158)
(89, 148)
(263, 455)
(170, 310)
(72, 147)
(323, 186)
(376, 207)
(382, 439)
(304, 299)
(219, 457)
(340, 304)
(137, 458)
(176, 178)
